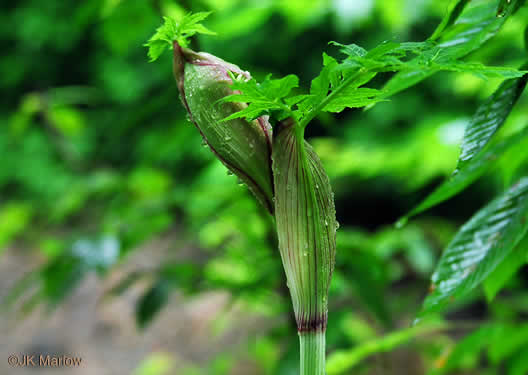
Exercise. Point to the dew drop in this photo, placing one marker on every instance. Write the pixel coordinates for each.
(305, 253)
(227, 138)
(204, 143)
(240, 182)
(326, 222)
(229, 172)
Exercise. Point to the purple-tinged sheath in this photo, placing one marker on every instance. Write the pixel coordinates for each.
(244, 147)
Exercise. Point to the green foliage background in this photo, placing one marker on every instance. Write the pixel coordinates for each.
(97, 157)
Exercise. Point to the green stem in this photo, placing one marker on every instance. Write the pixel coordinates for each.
(309, 117)
(312, 353)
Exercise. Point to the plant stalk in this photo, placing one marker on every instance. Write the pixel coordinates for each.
(312, 352)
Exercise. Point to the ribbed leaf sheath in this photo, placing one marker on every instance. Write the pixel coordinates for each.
(306, 225)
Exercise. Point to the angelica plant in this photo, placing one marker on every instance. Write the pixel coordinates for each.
(256, 129)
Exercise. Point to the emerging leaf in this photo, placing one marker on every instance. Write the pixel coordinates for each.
(172, 31)
(263, 98)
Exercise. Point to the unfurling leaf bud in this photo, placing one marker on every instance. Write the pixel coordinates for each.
(244, 147)
(306, 227)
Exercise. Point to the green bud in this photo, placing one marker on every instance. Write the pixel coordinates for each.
(244, 147)
(306, 225)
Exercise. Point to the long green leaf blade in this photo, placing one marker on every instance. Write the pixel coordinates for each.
(479, 247)
(476, 25)
(474, 160)
(505, 271)
(454, 10)
(489, 117)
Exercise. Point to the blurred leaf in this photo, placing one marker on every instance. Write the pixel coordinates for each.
(519, 364)
(242, 18)
(125, 283)
(152, 302)
(155, 364)
(67, 120)
(466, 353)
(368, 277)
(149, 183)
(14, 218)
(479, 247)
(340, 362)
(506, 341)
(113, 23)
(59, 278)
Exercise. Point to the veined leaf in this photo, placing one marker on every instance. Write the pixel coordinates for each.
(479, 247)
(481, 70)
(490, 116)
(474, 160)
(262, 98)
(504, 272)
(352, 97)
